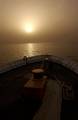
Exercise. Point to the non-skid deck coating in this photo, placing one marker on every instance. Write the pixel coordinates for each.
(51, 105)
(14, 106)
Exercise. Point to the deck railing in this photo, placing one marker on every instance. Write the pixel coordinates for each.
(27, 60)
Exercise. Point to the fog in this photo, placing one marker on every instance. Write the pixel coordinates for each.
(51, 20)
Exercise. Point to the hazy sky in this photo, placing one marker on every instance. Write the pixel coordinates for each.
(50, 19)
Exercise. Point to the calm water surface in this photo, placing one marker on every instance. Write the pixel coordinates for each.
(11, 52)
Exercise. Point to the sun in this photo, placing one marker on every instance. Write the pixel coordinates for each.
(28, 28)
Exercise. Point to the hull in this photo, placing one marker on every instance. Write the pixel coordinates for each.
(13, 77)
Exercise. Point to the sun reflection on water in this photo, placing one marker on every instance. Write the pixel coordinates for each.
(30, 49)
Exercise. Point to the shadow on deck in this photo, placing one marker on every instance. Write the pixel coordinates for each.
(13, 81)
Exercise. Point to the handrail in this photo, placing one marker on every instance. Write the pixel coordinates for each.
(27, 60)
